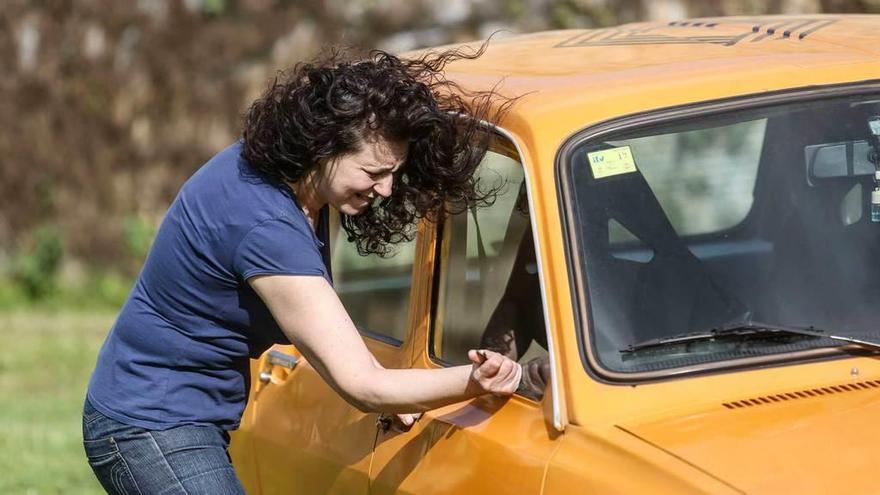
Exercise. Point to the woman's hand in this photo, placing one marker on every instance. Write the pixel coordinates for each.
(494, 373)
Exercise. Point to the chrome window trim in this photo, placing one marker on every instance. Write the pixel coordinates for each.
(558, 421)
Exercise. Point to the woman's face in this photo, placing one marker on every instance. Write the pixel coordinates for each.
(351, 182)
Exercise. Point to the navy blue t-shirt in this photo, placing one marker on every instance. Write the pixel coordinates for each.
(178, 352)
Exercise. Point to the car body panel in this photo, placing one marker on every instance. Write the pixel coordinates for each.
(609, 460)
(683, 434)
(507, 441)
(324, 447)
(778, 442)
(241, 446)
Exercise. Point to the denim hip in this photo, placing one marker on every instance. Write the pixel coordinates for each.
(185, 459)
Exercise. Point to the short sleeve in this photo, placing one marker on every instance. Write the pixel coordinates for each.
(279, 246)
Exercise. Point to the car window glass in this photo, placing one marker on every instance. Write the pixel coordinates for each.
(704, 178)
(375, 291)
(489, 289)
(787, 250)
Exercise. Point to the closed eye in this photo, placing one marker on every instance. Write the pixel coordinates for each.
(377, 174)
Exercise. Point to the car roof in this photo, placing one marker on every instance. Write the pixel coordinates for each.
(720, 42)
(572, 78)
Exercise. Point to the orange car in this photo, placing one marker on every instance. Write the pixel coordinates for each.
(684, 254)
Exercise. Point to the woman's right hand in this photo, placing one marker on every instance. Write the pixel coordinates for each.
(494, 373)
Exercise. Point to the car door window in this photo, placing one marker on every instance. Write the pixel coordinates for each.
(375, 291)
(489, 294)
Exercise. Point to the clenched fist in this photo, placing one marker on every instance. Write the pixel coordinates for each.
(494, 373)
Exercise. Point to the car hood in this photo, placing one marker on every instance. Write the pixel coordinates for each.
(810, 441)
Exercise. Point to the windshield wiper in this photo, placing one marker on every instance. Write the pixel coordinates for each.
(747, 329)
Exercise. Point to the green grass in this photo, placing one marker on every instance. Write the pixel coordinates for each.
(45, 363)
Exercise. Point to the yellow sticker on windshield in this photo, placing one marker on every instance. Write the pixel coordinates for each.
(607, 163)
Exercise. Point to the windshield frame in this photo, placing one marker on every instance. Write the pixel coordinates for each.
(671, 116)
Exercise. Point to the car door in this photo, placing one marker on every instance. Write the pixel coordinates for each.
(305, 438)
(487, 294)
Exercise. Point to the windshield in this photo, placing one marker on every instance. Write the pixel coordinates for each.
(759, 215)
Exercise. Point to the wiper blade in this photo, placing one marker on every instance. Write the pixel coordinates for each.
(747, 329)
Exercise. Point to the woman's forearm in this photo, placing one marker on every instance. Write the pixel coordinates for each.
(312, 317)
(414, 390)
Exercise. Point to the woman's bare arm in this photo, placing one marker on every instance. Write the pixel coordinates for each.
(311, 315)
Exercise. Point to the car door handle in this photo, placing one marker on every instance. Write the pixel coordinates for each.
(383, 422)
(277, 358)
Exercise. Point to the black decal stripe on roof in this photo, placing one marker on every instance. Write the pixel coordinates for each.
(643, 36)
(769, 32)
(796, 27)
(816, 28)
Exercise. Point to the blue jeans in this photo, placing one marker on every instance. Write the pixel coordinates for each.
(186, 459)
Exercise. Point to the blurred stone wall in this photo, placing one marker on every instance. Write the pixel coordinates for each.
(107, 106)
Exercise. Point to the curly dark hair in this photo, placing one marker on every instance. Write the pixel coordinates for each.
(325, 108)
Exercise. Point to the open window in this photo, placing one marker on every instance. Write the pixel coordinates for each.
(489, 291)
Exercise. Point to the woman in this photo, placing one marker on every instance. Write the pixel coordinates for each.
(240, 262)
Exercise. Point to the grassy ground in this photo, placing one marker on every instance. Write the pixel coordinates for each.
(45, 362)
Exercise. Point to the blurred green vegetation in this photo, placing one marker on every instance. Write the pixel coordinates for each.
(42, 386)
(35, 271)
(35, 277)
(101, 291)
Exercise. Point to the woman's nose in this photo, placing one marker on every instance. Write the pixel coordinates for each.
(383, 185)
